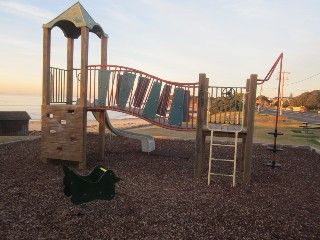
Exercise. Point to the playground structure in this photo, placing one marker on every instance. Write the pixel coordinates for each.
(68, 94)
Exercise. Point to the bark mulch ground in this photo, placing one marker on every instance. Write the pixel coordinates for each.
(158, 197)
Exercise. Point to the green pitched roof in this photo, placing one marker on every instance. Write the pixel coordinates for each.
(71, 20)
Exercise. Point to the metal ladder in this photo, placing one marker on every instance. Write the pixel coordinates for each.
(234, 160)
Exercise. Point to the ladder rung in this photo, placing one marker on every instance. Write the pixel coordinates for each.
(221, 174)
(222, 145)
(223, 160)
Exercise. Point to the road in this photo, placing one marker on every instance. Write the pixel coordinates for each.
(309, 117)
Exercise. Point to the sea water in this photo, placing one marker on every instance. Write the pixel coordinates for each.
(32, 104)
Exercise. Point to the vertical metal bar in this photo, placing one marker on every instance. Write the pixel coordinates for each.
(193, 104)
(95, 79)
(90, 95)
(65, 88)
(235, 106)
(217, 103)
(230, 109)
(56, 84)
(60, 85)
(211, 104)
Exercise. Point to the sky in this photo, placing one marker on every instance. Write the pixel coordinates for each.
(172, 39)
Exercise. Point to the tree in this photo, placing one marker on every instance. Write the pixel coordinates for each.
(311, 100)
(286, 104)
(263, 100)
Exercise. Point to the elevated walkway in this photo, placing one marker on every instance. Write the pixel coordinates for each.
(163, 103)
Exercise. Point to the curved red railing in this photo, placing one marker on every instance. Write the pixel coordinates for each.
(141, 97)
(137, 99)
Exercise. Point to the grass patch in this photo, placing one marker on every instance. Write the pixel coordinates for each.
(315, 142)
(292, 134)
(295, 131)
(309, 136)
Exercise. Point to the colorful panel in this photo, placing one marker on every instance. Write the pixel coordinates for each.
(141, 90)
(176, 110)
(152, 102)
(126, 86)
(103, 85)
(164, 100)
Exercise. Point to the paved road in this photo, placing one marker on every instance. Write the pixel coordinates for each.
(299, 116)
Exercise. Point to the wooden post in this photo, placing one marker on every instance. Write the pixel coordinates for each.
(250, 128)
(102, 114)
(46, 66)
(245, 121)
(201, 120)
(104, 49)
(83, 88)
(70, 48)
(83, 67)
(45, 78)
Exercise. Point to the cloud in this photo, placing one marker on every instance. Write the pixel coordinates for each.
(248, 8)
(26, 10)
(127, 19)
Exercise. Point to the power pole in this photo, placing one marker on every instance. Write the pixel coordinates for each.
(282, 76)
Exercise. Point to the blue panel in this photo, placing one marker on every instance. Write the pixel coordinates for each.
(126, 86)
(103, 86)
(152, 102)
(176, 111)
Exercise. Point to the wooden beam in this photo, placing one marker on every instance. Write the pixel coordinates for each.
(84, 65)
(46, 66)
(70, 47)
(102, 130)
(245, 121)
(201, 120)
(250, 128)
(104, 50)
(102, 114)
(83, 88)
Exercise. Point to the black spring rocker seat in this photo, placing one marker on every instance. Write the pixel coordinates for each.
(99, 184)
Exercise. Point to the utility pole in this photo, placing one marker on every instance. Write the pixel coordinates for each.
(282, 76)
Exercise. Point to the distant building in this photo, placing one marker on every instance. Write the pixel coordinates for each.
(14, 123)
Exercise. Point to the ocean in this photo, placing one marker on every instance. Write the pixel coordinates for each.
(32, 104)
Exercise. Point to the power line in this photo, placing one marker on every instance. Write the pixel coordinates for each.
(304, 79)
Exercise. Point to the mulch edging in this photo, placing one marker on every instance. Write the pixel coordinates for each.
(158, 197)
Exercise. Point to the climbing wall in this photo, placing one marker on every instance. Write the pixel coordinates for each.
(63, 133)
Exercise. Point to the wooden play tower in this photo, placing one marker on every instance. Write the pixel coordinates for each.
(64, 123)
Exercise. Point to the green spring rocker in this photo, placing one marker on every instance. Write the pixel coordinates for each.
(99, 184)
